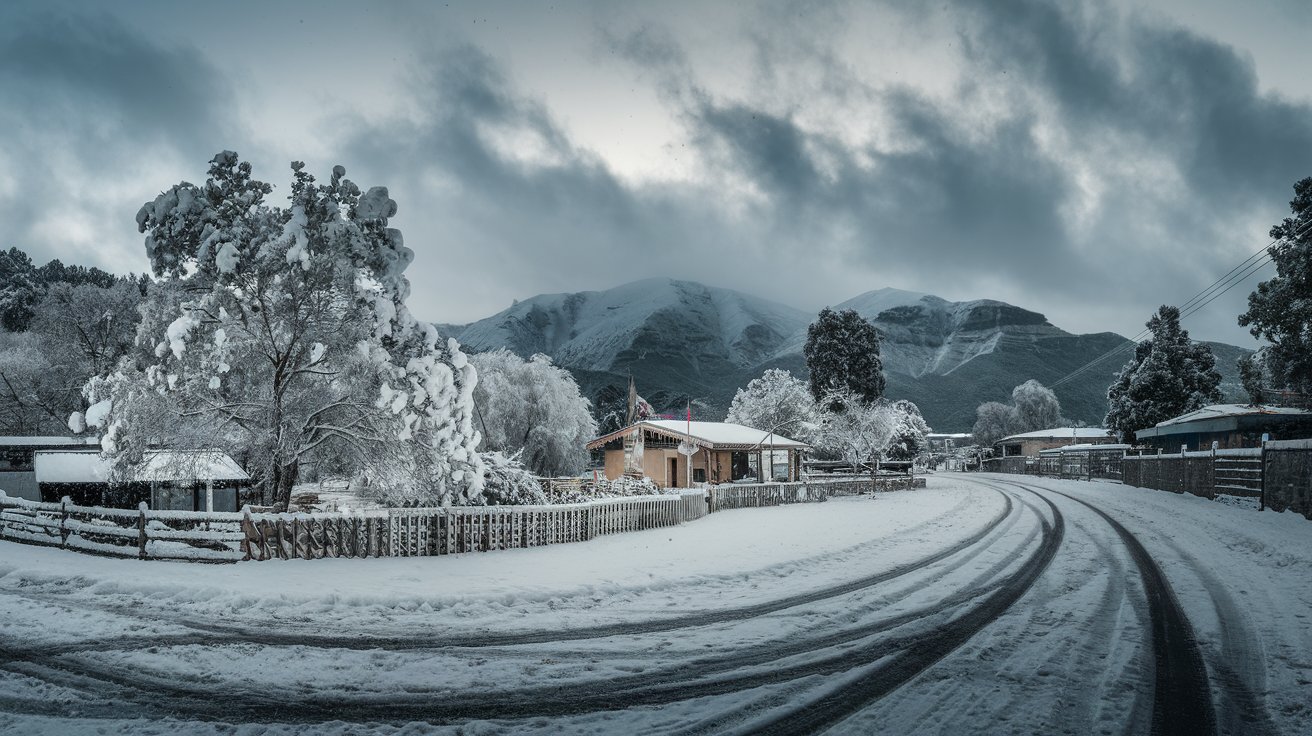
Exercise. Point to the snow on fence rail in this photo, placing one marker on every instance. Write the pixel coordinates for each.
(142, 533)
(230, 537)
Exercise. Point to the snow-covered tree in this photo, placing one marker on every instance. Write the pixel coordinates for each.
(1036, 406)
(73, 333)
(1252, 377)
(1169, 375)
(776, 401)
(281, 334)
(33, 400)
(865, 432)
(911, 433)
(1280, 309)
(842, 356)
(533, 409)
(1033, 407)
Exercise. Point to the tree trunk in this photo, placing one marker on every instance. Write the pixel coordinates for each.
(285, 477)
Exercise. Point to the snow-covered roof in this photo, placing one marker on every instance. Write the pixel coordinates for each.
(1061, 433)
(1218, 411)
(948, 435)
(1084, 446)
(71, 466)
(51, 441)
(82, 466)
(716, 435)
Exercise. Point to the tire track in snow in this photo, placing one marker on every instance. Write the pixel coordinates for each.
(551, 701)
(219, 634)
(916, 654)
(1182, 697)
(1064, 637)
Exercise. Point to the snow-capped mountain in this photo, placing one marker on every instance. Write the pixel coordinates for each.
(654, 318)
(682, 339)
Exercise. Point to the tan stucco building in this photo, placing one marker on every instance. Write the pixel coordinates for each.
(1030, 444)
(721, 453)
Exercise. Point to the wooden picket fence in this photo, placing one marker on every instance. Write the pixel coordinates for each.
(421, 532)
(409, 532)
(755, 495)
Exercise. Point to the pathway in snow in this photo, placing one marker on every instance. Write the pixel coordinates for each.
(985, 603)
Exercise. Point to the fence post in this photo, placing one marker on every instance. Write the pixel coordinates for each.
(63, 519)
(141, 530)
(1261, 473)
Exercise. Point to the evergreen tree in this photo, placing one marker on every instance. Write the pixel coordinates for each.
(1169, 375)
(1250, 375)
(23, 284)
(1280, 309)
(842, 355)
(20, 289)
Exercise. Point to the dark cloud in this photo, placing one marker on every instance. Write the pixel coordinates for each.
(1077, 156)
(89, 107)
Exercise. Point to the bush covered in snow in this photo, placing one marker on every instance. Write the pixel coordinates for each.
(507, 482)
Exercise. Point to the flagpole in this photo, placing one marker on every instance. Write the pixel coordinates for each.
(689, 442)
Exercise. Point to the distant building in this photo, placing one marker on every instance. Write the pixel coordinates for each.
(1030, 444)
(1229, 426)
(17, 478)
(944, 443)
(721, 453)
(174, 480)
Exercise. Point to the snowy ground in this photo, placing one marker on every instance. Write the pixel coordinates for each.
(984, 603)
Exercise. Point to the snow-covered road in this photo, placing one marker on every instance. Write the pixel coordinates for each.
(984, 603)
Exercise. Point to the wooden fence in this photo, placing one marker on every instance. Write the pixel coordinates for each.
(142, 533)
(1232, 472)
(229, 537)
(440, 531)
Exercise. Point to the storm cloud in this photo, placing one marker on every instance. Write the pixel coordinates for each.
(1089, 161)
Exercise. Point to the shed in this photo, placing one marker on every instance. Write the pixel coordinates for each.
(17, 477)
(180, 480)
(721, 452)
(1230, 426)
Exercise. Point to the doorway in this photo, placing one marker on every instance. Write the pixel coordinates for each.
(674, 472)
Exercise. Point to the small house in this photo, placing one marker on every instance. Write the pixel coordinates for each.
(17, 477)
(1030, 444)
(1230, 426)
(177, 480)
(674, 454)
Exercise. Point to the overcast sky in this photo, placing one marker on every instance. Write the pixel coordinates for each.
(1088, 161)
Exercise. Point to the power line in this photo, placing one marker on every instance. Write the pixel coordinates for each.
(1209, 294)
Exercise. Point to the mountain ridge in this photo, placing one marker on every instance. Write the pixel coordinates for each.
(684, 340)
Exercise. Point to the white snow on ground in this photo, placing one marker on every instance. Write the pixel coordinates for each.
(1070, 655)
(720, 558)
